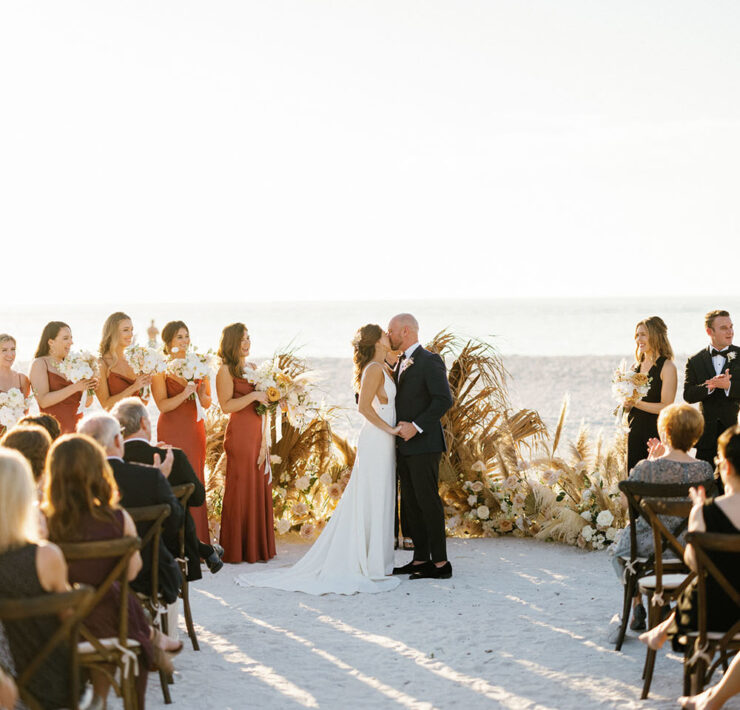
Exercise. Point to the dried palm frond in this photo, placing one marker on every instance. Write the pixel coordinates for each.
(560, 425)
(564, 527)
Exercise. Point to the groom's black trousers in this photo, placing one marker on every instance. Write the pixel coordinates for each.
(419, 476)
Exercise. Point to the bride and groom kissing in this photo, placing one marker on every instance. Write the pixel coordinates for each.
(402, 435)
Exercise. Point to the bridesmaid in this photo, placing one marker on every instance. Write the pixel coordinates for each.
(9, 378)
(177, 423)
(55, 394)
(654, 357)
(247, 527)
(117, 379)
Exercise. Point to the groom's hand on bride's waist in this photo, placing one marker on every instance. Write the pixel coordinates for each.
(408, 430)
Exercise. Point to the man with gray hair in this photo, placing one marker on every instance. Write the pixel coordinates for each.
(136, 427)
(141, 486)
(422, 397)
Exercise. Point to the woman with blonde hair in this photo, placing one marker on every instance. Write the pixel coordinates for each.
(178, 423)
(9, 378)
(117, 378)
(653, 357)
(55, 394)
(247, 527)
(30, 567)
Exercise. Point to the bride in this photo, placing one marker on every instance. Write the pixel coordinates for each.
(354, 553)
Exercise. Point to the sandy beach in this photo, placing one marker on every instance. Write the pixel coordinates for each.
(522, 624)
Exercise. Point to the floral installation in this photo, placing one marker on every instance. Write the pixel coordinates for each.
(79, 365)
(144, 361)
(628, 388)
(13, 406)
(194, 367)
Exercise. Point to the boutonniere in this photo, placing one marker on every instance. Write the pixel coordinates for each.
(405, 365)
(731, 355)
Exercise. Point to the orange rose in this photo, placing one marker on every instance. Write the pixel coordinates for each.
(273, 394)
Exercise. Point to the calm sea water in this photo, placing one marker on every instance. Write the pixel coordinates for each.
(533, 327)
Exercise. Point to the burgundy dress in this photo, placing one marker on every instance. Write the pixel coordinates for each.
(117, 383)
(247, 527)
(66, 410)
(179, 428)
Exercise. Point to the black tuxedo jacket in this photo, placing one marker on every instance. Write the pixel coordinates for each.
(423, 396)
(141, 451)
(141, 486)
(719, 409)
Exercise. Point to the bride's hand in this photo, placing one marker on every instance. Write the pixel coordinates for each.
(395, 431)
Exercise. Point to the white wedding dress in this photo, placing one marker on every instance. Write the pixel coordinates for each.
(354, 553)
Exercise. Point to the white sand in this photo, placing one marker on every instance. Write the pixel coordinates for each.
(522, 624)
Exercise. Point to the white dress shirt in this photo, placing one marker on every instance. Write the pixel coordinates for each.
(720, 365)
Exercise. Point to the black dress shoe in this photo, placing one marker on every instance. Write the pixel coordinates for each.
(214, 562)
(409, 568)
(431, 571)
(218, 549)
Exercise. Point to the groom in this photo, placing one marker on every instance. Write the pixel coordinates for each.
(422, 398)
(713, 380)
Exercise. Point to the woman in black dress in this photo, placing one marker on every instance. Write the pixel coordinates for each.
(654, 357)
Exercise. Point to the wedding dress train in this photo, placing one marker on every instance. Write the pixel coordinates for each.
(354, 553)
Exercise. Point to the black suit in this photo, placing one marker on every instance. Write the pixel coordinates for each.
(422, 397)
(141, 486)
(182, 472)
(719, 409)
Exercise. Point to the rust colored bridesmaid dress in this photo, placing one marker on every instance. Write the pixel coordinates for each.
(117, 383)
(66, 410)
(247, 527)
(179, 428)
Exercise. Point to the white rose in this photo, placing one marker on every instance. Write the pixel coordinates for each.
(604, 519)
(303, 483)
(326, 479)
(478, 466)
(283, 525)
(472, 500)
(586, 495)
(586, 515)
(453, 522)
(587, 533)
(477, 487)
(611, 533)
(483, 512)
(466, 485)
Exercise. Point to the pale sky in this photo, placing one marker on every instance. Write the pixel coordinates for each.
(249, 150)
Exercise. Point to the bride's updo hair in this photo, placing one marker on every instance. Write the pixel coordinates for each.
(363, 345)
(657, 338)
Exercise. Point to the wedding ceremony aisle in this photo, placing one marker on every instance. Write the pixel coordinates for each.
(522, 624)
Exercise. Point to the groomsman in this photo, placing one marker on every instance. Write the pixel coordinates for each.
(713, 380)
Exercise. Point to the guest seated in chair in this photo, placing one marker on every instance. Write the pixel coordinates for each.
(137, 433)
(721, 515)
(679, 426)
(30, 568)
(141, 486)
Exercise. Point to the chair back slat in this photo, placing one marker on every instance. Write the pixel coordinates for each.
(717, 542)
(156, 514)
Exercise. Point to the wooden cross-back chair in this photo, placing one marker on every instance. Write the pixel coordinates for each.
(120, 652)
(74, 605)
(702, 644)
(662, 588)
(152, 600)
(183, 493)
(636, 566)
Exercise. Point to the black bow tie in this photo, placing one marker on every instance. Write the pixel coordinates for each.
(401, 357)
(714, 352)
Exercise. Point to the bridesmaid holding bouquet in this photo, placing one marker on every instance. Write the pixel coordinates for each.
(247, 526)
(117, 378)
(178, 423)
(9, 378)
(55, 394)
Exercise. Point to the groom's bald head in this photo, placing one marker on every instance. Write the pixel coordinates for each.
(403, 331)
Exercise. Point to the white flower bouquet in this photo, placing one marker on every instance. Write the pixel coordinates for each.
(79, 365)
(194, 367)
(628, 387)
(13, 406)
(144, 361)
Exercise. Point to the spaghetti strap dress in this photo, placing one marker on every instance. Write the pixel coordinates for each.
(247, 526)
(179, 428)
(66, 410)
(644, 425)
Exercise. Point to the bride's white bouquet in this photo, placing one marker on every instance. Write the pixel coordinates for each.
(144, 361)
(193, 367)
(13, 406)
(292, 394)
(79, 365)
(628, 387)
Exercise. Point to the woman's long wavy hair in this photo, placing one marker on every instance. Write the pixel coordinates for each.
(169, 332)
(657, 338)
(230, 348)
(109, 339)
(363, 346)
(50, 332)
(79, 481)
